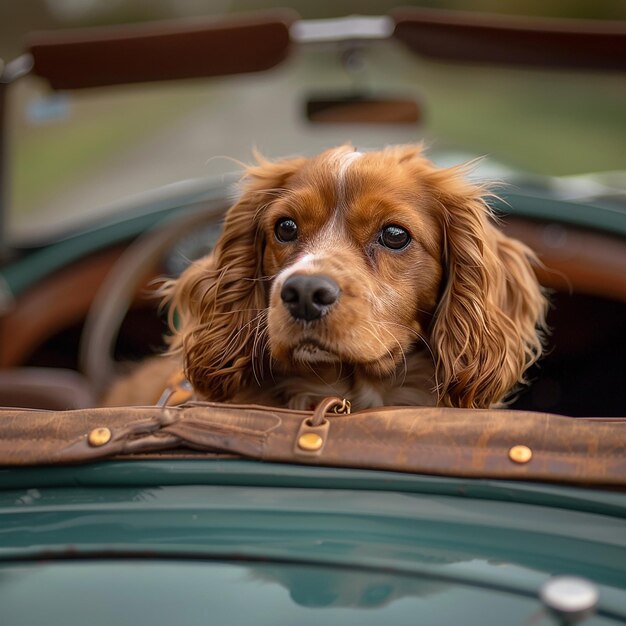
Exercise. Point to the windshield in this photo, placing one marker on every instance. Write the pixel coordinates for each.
(79, 154)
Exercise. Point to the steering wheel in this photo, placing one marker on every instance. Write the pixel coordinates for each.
(115, 296)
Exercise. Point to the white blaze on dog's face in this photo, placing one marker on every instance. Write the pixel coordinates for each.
(353, 244)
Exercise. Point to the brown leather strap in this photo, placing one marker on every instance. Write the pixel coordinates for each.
(178, 391)
(337, 405)
(499, 444)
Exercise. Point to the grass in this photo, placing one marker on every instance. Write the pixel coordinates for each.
(548, 124)
(48, 157)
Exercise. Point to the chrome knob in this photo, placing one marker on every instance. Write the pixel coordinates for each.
(569, 598)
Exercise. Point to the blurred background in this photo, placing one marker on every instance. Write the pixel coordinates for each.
(80, 154)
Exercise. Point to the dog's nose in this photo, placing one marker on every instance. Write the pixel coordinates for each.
(308, 297)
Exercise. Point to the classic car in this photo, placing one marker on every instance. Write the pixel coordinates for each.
(243, 513)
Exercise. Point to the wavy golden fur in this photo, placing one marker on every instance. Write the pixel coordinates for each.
(455, 317)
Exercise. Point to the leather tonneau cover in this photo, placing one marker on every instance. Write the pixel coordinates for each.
(500, 444)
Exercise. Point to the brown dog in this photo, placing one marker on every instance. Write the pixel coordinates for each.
(375, 276)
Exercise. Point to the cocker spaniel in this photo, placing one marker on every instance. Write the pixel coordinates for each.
(377, 277)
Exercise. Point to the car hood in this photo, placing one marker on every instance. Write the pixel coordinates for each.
(239, 541)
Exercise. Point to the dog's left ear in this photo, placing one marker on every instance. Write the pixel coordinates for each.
(488, 325)
(220, 301)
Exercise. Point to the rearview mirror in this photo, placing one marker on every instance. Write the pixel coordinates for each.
(358, 108)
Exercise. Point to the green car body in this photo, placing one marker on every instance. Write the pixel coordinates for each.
(235, 542)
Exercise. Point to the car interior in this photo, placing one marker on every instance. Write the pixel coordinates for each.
(67, 334)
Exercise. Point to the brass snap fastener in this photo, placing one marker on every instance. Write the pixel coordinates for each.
(311, 442)
(99, 437)
(520, 454)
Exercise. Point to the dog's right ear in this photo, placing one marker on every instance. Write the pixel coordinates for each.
(220, 301)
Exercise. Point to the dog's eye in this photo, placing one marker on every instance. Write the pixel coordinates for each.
(394, 237)
(286, 230)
